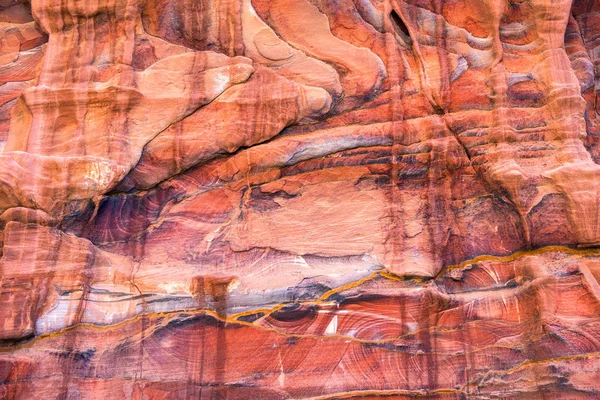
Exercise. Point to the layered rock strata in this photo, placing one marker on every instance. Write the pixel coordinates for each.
(299, 198)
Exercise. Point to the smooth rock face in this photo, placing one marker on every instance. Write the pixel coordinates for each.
(299, 199)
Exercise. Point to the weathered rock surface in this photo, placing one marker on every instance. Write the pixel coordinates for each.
(299, 199)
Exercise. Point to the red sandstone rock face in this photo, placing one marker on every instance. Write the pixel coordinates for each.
(299, 199)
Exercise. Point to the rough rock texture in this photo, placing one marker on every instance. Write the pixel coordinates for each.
(299, 199)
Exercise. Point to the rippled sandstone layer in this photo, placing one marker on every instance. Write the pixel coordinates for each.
(299, 199)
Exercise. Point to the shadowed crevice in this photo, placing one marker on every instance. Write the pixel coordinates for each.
(401, 28)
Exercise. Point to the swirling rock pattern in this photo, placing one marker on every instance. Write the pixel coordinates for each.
(299, 199)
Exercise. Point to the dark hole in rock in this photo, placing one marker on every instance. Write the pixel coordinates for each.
(400, 27)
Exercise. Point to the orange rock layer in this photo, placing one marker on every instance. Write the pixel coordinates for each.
(299, 199)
